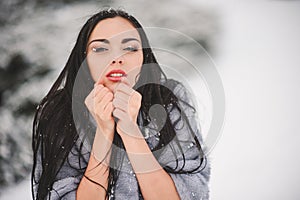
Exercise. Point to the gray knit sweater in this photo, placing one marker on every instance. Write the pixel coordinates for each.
(189, 186)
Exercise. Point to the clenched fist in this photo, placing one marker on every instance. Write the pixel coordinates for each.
(127, 103)
(99, 103)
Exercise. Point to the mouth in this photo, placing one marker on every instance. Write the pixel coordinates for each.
(115, 75)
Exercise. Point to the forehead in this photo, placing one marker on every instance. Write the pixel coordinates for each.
(116, 27)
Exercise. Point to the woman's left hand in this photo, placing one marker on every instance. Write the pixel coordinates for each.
(127, 103)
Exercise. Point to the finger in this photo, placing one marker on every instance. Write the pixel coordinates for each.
(96, 89)
(121, 95)
(109, 108)
(101, 103)
(120, 104)
(101, 91)
(121, 115)
(89, 98)
(107, 97)
(122, 87)
(97, 85)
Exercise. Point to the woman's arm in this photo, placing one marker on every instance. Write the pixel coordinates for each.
(99, 103)
(95, 171)
(154, 181)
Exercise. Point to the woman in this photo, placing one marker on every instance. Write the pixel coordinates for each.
(113, 126)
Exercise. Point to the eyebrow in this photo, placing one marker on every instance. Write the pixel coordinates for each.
(128, 39)
(107, 42)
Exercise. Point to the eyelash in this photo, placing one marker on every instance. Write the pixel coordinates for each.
(132, 49)
(101, 49)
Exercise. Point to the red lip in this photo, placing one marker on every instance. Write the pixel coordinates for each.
(116, 78)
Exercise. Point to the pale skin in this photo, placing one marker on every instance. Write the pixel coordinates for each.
(110, 99)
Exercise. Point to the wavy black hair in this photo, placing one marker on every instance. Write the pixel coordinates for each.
(54, 130)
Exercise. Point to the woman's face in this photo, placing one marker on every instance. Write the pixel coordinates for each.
(114, 50)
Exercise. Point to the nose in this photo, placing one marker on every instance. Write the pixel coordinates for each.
(119, 60)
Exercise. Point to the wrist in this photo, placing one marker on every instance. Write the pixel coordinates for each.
(101, 148)
(132, 133)
(107, 133)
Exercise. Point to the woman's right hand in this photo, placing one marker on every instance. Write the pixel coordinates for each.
(99, 103)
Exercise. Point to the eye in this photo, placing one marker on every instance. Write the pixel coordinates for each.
(132, 49)
(99, 49)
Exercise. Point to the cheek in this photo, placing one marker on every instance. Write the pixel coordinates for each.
(136, 60)
(96, 67)
(135, 64)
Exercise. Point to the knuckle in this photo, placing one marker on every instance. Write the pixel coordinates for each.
(110, 95)
(115, 111)
(87, 104)
(114, 102)
(137, 94)
(105, 89)
(116, 93)
(101, 116)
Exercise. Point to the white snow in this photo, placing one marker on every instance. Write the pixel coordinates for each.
(258, 59)
(19, 191)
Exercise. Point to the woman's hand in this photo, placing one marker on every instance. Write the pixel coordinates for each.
(99, 103)
(127, 103)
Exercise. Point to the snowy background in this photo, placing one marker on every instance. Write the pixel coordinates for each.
(255, 45)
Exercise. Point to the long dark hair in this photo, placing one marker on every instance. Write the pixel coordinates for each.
(54, 130)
